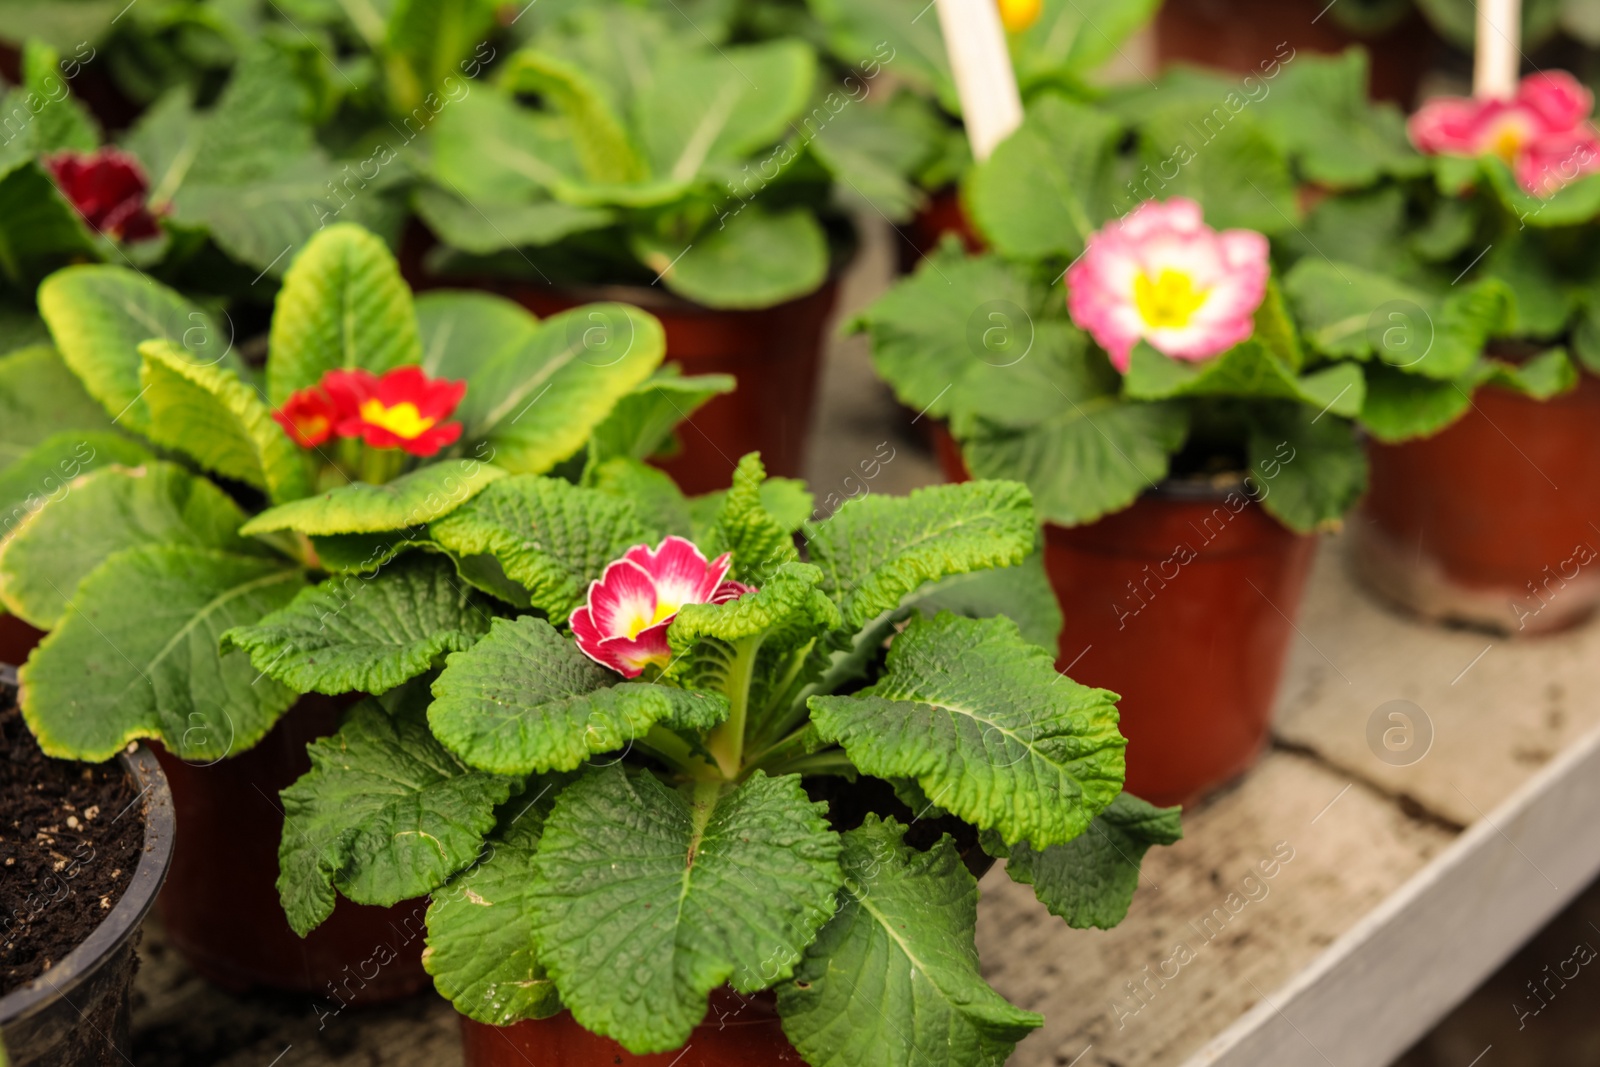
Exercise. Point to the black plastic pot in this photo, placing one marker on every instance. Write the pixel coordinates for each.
(76, 1013)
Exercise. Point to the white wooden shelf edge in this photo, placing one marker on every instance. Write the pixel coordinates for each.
(1392, 976)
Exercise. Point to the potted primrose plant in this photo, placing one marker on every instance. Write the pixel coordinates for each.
(85, 851)
(1468, 292)
(622, 152)
(683, 763)
(1181, 444)
(1056, 46)
(212, 500)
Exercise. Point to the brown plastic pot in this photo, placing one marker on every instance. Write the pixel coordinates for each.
(1182, 604)
(17, 639)
(76, 1013)
(941, 215)
(739, 1032)
(221, 908)
(1493, 522)
(1241, 35)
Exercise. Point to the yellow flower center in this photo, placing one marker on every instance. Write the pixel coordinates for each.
(402, 420)
(639, 623)
(1167, 301)
(1506, 143)
(1018, 15)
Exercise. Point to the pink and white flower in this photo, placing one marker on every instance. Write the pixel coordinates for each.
(1543, 133)
(1162, 275)
(624, 624)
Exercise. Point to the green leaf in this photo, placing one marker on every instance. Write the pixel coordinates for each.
(463, 330)
(62, 123)
(758, 542)
(786, 612)
(488, 150)
(1215, 153)
(425, 494)
(137, 656)
(1347, 312)
(662, 508)
(101, 513)
(787, 500)
(1310, 469)
(549, 537)
(876, 549)
(1049, 185)
(480, 925)
(39, 229)
(692, 888)
(1402, 406)
(1075, 37)
(343, 305)
(1572, 204)
(99, 315)
(365, 553)
(39, 397)
(1543, 297)
(879, 33)
(383, 815)
(956, 330)
(210, 415)
(1319, 110)
(641, 423)
(425, 42)
(902, 941)
(602, 142)
(536, 403)
(1246, 370)
(1090, 880)
(986, 726)
(525, 699)
(367, 635)
(754, 258)
(43, 474)
(483, 227)
(707, 106)
(874, 152)
(1021, 593)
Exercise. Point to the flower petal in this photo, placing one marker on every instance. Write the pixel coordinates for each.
(623, 602)
(1557, 98)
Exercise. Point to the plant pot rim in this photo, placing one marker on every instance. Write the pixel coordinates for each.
(155, 855)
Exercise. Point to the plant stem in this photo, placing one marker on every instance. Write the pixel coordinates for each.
(674, 751)
(380, 465)
(727, 740)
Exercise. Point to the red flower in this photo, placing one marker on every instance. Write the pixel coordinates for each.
(623, 624)
(108, 188)
(403, 409)
(308, 417)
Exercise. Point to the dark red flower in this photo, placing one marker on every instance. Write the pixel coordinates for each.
(309, 417)
(108, 188)
(403, 409)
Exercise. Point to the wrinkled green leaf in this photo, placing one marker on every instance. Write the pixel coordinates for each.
(384, 814)
(367, 635)
(648, 897)
(986, 726)
(525, 699)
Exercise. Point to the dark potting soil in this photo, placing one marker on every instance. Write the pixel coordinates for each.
(69, 844)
